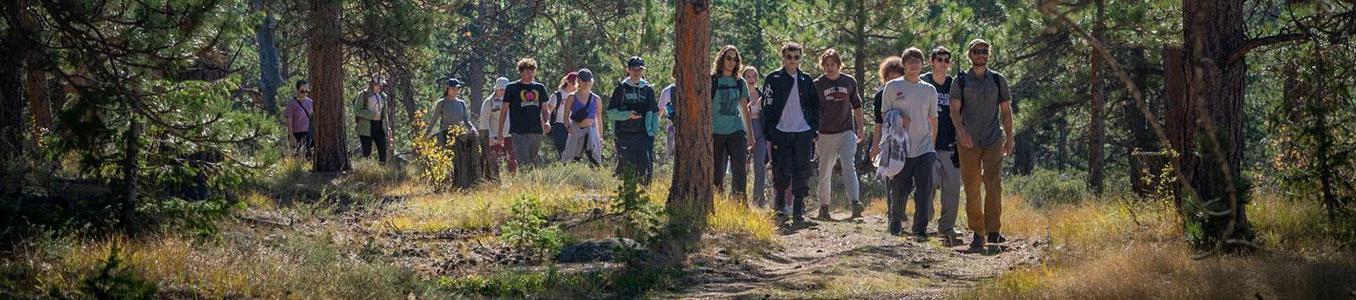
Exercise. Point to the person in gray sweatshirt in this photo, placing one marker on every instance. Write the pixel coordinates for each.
(450, 112)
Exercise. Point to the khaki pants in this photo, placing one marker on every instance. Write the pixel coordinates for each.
(983, 165)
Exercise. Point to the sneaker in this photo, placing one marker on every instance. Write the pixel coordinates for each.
(857, 210)
(922, 237)
(824, 213)
(997, 238)
(977, 241)
(801, 222)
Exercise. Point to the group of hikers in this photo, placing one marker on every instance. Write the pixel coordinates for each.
(934, 131)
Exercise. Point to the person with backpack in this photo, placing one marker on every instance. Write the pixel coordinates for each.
(558, 116)
(583, 107)
(373, 116)
(666, 112)
(729, 117)
(298, 115)
(916, 103)
(489, 116)
(790, 120)
(635, 115)
(840, 125)
(979, 100)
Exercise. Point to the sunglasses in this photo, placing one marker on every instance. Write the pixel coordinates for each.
(730, 58)
(942, 59)
(792, 57)
(980, 51)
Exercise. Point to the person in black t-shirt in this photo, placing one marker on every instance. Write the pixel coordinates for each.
(948, 167)
(525, 115)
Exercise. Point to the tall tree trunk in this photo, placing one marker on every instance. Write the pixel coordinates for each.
(859, 42)
(690, 197)
(1097, 128)
(270, 78)
(11, 99)
(1213, 31)
(404, 91)
(325, 59)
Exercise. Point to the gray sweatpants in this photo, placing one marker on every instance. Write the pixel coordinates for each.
(949, 181)
(525, 147)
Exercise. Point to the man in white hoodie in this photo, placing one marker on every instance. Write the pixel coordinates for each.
(489, 116)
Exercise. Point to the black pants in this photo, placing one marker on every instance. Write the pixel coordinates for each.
(379, 138)
(636, 155)
(732, 148)
(304, 143)
(791, 154)
(558, 137)
(916, 178)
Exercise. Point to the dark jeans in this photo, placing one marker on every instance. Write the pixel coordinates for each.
(379, 138)
(916, 178)
(304, 142)
(732, 148)
(791, 154)
(636, 154)
(558, 137)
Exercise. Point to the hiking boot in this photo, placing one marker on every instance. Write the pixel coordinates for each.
(824, 213)
(997, 238)
(801, 222)
(977, 241)
(857, 210)
(895, 227)
(922, 237)
(781, 218)
(949, 234)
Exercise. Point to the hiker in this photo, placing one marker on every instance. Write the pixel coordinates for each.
(916, 102)
(298, 115)
(524, 99)
(635, 113)
(489, 117)
(890, 68)
(729, 117)
(947, 170)
(666, 111)
(585, 131)
(840, 123)
(450, 114)
(558, 115)
(759, 151)
(790, 118)
(979, 98)
(371, 113)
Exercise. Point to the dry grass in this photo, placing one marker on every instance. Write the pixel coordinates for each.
(736, 219)
(566, 189)
(283, 266)
(1100, 252)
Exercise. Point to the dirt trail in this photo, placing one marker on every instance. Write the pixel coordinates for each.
(853, 259)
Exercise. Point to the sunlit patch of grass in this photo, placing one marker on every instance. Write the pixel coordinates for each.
(1103, 251)
(255, 199)
(840, 283)
(736, 218)
(283, 266)
(562, 189)
(407, 188)
(372, 172)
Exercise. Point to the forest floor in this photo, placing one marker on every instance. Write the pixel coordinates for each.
(855, 259)
(373, 233)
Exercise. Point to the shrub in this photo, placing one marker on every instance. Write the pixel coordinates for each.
(1047, 187)
(528, 230)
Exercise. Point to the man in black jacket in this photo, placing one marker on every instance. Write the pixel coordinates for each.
(790, 121)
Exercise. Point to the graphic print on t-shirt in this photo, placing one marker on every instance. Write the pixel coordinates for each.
(727, 104)
(837, 93)
(529, 98)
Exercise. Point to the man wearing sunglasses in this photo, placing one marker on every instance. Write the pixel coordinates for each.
(947, 166)
(790, 122)
(978, 100)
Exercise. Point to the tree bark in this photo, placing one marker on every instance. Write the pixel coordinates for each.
(11, 100)
(1097, 128)
(270, 78)
(325, 60)
(690, 197)
(1213, 31)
